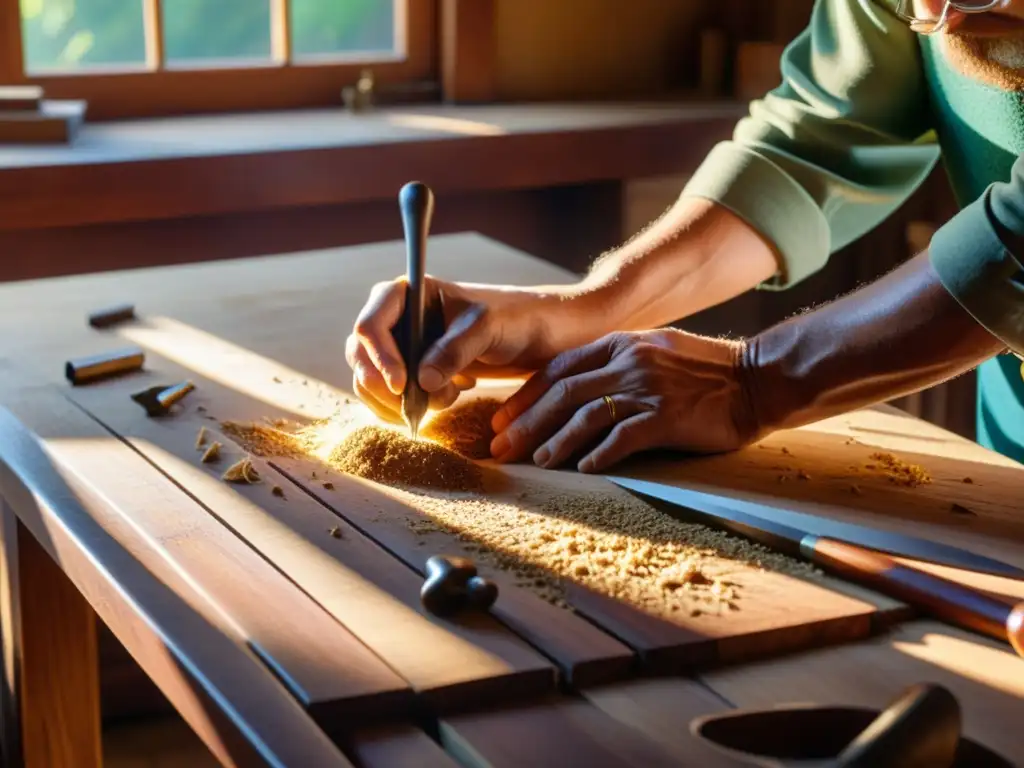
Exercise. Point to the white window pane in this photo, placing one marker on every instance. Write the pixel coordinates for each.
(79, 34)
(342, 27)
(216, 30)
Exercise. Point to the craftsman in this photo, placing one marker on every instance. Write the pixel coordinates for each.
(835, 149)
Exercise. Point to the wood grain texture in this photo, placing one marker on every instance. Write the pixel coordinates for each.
(468, 51)
(663, 710)
(585, 654)
(451, 664)
(552, 734)
(204, 166)
(986, 678)
(397, 747)
(332, 674)
(235, 706)
(51, 672)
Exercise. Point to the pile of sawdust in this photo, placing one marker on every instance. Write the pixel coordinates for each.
(609, 542)
(901, 472)
(389, 457)
(465, 427)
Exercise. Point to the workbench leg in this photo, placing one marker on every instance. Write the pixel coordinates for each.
(50, 698)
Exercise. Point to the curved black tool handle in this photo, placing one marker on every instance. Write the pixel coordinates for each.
(416, 202)
(920, 729)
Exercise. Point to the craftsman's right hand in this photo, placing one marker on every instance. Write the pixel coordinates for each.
(491, 331)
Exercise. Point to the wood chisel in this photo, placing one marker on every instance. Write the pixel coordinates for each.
(417, 205)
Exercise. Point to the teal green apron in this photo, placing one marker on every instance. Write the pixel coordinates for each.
(981, 131)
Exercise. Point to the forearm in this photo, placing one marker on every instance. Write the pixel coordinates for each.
(898, 335)
(697, 255)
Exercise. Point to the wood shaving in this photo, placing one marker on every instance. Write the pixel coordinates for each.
(201, 438)
(329, 485)
(212, 453)
(968, 481)
(336, 532)
(241, 471)
(277, 490)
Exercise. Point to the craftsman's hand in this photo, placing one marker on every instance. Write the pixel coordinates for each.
(668, 389)
(491, 331)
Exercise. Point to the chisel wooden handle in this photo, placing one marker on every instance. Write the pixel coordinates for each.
(955, 603)
(417, 205)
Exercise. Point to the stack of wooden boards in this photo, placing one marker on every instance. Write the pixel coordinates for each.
(26, 117)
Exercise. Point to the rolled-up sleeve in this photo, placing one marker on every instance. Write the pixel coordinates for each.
(979, 257)
(837, 147)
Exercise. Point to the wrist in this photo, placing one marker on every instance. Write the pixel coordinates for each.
(774, 397)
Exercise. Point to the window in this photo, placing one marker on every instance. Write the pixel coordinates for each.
(150, 57)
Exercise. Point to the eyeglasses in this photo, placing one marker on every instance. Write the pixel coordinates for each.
(930, 16)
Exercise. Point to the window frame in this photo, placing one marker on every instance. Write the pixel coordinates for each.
(277, 84)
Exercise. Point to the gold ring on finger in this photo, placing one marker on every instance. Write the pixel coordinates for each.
(611, 407)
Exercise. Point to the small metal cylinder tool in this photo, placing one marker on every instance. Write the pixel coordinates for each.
(104, 318)
(417, 205)
(85, 369)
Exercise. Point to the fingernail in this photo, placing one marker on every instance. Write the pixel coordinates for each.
(500, 445)
(500, 420)
(431, 378)
(542, 457)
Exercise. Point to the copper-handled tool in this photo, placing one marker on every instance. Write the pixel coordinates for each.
(417, 205)
(983, 612)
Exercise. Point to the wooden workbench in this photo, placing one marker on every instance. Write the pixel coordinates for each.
(286, 629)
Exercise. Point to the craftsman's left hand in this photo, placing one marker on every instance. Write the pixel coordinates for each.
(668, 389)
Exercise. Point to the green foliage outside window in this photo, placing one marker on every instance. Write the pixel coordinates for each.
(73, 34)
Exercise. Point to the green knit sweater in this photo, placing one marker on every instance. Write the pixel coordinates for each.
(865, 109)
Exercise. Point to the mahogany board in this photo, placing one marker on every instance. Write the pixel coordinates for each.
(780, 613)
(452, 663)
(551, 734)
(332, 674)
(986, 678)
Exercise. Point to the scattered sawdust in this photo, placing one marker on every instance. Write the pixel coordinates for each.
(201, 438)
(265, 440)
(241, 471)
(901, 472)
(465, 428)
(212, 453)
(389, 457)
(277, 490)
(609, 542)
(328, 485)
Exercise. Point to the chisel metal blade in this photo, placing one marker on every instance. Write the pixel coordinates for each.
(900, 545)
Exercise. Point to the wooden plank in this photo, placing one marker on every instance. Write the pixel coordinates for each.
(51, 686)
(986, 678)
(780, 613)
(452, 664)
(334, 676)
(468, 51)
(397, 747)
(466, 151)
(551, 734)
(585, 654)
(226, 695)
(663, 710)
